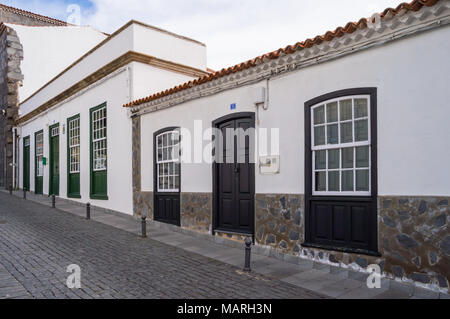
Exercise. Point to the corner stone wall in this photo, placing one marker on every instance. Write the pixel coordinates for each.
(11, 55)
(415, 238)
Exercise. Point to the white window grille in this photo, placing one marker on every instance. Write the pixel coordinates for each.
(99, 139)
(341, 145)
(55, 131)
(74, 146)
(39, 154)
(168, 162)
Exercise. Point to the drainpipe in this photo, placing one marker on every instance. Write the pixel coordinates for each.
(130, 87)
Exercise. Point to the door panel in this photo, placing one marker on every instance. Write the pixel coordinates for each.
(26, 164)
(234, 179)
(345, 224)
(167, 208)
(54, 165)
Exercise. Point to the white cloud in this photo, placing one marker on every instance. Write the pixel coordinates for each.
(237, 30)
(233, 30)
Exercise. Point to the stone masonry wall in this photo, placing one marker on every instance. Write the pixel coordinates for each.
(414, 238)
(196, 212)
(11, 55)
(280, 221)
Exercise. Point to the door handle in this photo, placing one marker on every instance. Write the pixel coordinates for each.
(237, 170)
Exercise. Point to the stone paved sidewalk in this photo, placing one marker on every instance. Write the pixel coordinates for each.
(318, 279)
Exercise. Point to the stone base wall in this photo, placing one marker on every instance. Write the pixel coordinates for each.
(196, 212)
(415, 238)
(143, 204)
(280, 221)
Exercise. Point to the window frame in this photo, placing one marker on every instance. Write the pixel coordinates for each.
(36, 156)
(312, 202)
(95, 140)
(341, 146)
(158, 162)
(103, 195)
(70, 146)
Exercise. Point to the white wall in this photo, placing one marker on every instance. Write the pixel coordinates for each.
(49, 50)
(133, 38)
(148, 80)
(412, 76)
(170, 47)
(115, 92)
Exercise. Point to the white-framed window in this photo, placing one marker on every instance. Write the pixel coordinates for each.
(55, 131)
(74, 146)
(341, 147)
(39, 154)
(99, 146)
(168, 162)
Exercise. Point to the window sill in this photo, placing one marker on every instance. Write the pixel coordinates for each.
(99, 197)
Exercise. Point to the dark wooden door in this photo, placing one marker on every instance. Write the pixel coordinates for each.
(235, 176)
(26, 163)
(167, 173)
(54, 162)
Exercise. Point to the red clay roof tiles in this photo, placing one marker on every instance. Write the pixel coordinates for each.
(349, 28)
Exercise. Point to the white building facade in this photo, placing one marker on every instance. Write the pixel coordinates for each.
(76, 136)
(358, 176)
(348, 165)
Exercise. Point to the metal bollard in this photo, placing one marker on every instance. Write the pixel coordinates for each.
(53, 201)
(10, 190)
(88, 211)
(144, 227)
(25, 194)
(248, 252)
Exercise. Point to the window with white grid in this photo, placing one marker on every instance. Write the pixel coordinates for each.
(341, 145)
(39, 154)
(74, 146)
(55, 131)
(99, 148)
(168, 162)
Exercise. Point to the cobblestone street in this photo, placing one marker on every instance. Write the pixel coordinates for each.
(37, 244)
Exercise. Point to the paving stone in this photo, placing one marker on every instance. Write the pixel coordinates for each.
(37, 244)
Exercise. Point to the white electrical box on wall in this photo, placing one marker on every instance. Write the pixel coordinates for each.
(269, 165)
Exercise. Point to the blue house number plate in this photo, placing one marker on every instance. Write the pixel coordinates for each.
(233, 106)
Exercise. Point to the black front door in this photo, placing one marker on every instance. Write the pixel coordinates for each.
(234, 174)
(167, 172)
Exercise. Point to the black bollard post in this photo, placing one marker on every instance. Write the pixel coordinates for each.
(144, 227)
(248, 252)
(25, 194)
(10, 190)
(53, 201)
(88, 211)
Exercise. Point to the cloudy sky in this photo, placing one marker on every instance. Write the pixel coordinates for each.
(233, 30)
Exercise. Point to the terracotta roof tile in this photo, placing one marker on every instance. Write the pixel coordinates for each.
(349, 28)
(33, 15)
